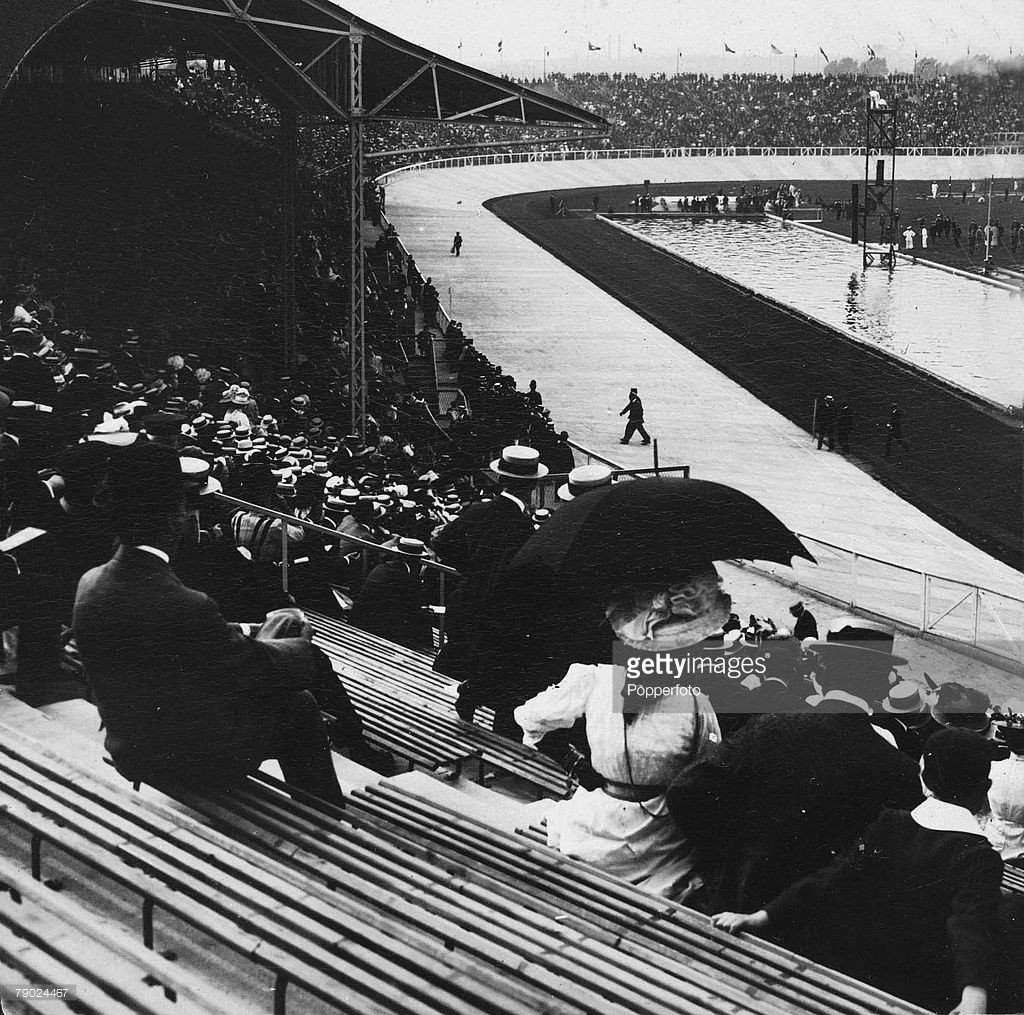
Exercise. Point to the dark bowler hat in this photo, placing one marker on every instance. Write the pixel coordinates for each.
(144, 480)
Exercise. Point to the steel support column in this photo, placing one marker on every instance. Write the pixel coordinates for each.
(357, 265)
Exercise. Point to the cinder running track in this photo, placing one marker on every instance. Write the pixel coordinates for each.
(541, 319)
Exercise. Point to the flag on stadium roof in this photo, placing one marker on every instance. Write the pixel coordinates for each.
(639, 49)
(499, 45)
(728, 48)
(824, 54)
(871, 53)
(775, 49)
(592, 47)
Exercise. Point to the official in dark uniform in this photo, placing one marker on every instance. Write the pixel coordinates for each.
(635, 423)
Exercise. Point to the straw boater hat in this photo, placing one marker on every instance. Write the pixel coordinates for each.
(584, 478)
(519, 462)
(905, 698)
(196, 474)
(344, 499)
(413, 547)
(236, 395)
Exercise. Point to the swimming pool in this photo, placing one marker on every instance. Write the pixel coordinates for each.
(962, 330)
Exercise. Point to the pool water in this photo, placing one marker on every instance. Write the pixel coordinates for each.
(962, 330)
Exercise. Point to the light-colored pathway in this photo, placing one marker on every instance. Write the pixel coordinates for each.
(540, 319)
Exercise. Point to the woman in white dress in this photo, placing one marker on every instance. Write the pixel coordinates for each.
(624, 827)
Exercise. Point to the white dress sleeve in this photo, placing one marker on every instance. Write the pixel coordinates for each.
(558, 707)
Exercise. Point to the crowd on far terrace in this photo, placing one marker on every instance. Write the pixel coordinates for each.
(664, 111)
(809, 109)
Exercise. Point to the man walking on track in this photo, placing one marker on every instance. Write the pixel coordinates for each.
(635, 408)
(457, 243)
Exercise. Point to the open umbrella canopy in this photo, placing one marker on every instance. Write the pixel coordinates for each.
(648, 530)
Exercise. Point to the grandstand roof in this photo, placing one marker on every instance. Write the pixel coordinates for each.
(299, 48)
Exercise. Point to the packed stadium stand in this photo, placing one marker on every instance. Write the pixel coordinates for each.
(178, 400)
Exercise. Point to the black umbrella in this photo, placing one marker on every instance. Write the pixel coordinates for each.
(647, 530)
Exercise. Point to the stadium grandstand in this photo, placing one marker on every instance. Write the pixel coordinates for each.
(348, 668)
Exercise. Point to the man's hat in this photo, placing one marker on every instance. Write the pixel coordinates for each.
(236, 395)
(144, 480)
(414, 547)
(519, 462)
(583, 479)
(197, 478)
(905, 698)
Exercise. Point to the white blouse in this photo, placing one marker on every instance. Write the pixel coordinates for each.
(661, 741)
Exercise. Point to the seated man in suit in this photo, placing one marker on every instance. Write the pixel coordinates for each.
(184, 695)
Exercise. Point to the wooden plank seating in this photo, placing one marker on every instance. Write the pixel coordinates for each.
(490, 883)
(397, 904)
(404, 701)
(51, 940)
(344, 954)
(645, 926)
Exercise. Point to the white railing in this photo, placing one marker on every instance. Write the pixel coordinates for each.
(927, 603)
(725, 151)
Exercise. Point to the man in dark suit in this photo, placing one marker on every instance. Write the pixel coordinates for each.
(479, 544)
(635, 423)
(26, 376)
(391, 602)
(784, 797)
(924, 885)
(184, 695)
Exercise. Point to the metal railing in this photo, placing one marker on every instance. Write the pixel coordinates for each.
(365, 548)
(928, 603)
(932, 604)
(720, 151)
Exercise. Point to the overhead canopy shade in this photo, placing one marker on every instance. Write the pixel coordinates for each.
(299, 49)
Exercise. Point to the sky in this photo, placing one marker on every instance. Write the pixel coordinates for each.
(695, 32)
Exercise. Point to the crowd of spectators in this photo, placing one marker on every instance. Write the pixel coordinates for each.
(699, 110)
(103, 413)
(660, 111)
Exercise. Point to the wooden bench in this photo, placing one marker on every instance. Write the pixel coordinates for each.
(580, 934)
(395, 904)
(645, 927)
(49, 940)
(338, 949)
(410, 709)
